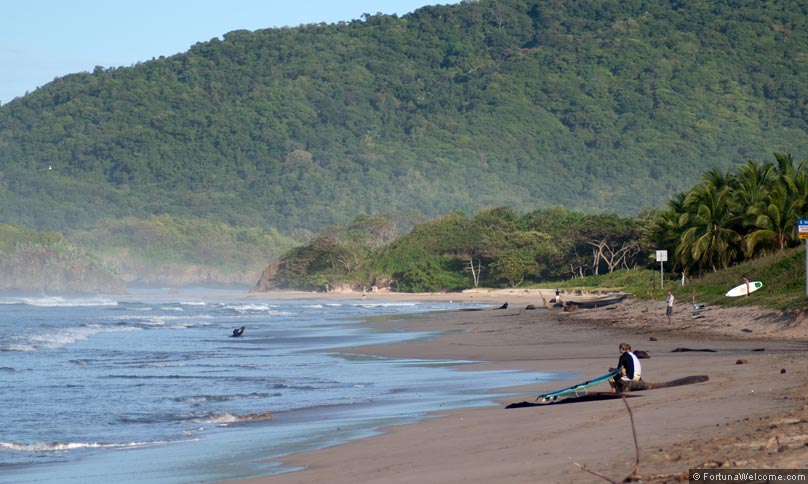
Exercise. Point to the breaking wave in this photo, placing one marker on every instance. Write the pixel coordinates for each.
(225, 418)
(62, 302)
(59, 338)
(68, 446)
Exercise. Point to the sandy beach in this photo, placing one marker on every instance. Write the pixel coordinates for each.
(751, 414)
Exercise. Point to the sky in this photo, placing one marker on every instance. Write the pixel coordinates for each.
(44, 39)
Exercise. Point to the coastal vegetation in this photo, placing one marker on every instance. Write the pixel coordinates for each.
(782, 273)
(728, 222)
(180, 251)
(213, 162)
(44, 262)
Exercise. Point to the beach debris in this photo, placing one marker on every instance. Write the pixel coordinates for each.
(742, 361)
(633, 475)
(759, 349)
(641, 354)
(652, 339)
(746, 330)
(504, 306)
(530, 306)
(782, 370)
(682, 350)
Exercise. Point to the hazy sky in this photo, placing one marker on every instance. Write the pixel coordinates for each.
(44, 39)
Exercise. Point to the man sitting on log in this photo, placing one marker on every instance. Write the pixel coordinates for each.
(629, 369)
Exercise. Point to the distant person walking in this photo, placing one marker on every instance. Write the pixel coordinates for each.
(669, 306)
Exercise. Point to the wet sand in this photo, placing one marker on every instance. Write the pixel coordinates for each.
(752, 413)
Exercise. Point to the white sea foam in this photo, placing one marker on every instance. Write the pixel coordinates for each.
(67, 446)
(222, 419)
(59, 338)
(386, 304)
(163, 321)
(17, 347)
(62, 302)
(246, 308)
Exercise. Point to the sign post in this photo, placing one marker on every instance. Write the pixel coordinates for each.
(661, 257)
(802, 233)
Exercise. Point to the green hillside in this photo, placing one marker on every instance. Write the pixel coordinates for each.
(598, 106)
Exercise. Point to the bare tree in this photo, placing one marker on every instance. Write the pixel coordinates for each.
(475, 272)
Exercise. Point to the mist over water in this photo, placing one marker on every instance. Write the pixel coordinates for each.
(95, 389)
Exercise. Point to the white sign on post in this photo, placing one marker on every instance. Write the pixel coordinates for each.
(662, 256)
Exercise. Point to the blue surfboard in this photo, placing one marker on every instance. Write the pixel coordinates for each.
(577, 389)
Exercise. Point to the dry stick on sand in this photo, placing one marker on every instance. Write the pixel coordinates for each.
(633, 476)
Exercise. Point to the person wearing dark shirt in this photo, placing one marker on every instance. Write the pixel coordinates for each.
(628, 367)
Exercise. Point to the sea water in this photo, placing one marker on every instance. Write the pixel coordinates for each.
(152, 388)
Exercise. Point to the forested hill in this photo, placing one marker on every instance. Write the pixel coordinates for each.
(611, 105)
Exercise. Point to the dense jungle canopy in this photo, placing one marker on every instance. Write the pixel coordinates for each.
(607, 106)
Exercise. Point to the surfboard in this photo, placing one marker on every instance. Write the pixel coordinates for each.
(740, 289)
(595, 396)
(577, 389)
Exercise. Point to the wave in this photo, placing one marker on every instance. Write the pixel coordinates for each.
(59, 338)
(62, 302)
(386, 304)
(17, 347)
(253, 308)
(223, 419)
(68, 446)
(162, 321)
(202, 399)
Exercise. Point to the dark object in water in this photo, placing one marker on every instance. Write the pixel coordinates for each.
(237, 332)
(681, 350)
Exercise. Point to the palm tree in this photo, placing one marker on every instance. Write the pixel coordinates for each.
(774, 223)
(751, 185)
(775, 218)
(711, 238)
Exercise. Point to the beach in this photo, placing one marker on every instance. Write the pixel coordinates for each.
(752, 412)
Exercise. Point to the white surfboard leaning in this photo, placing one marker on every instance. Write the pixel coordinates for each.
(740, 289)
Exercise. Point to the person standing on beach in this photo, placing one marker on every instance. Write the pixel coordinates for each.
(669, 305)
(628, 367)
(746, 281)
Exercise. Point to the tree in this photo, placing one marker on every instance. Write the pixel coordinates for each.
(514, 265)
(710, 238)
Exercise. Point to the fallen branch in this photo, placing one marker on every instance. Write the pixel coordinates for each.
(633, 475)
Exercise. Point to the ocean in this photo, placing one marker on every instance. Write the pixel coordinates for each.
(150, 387)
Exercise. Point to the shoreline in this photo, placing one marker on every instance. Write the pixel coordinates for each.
(752, 415)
